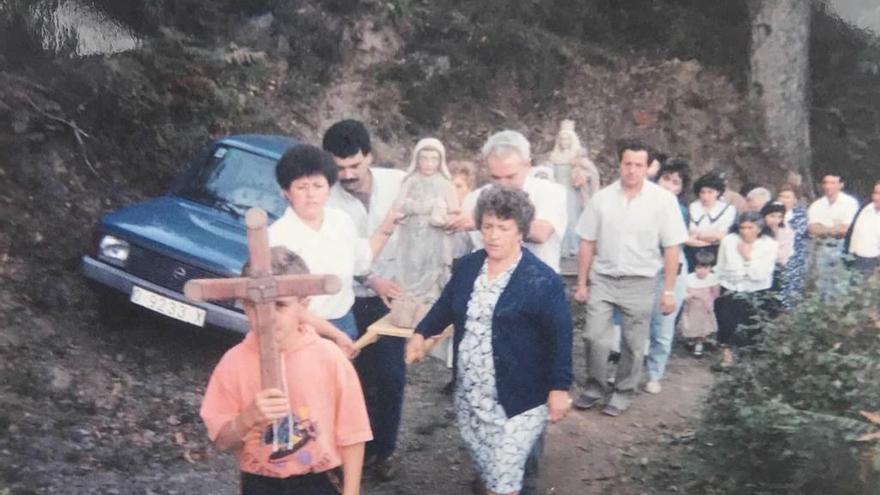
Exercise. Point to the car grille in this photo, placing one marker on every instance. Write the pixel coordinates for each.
(166, 272)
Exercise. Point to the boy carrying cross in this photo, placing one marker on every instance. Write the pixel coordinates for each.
(287, 440)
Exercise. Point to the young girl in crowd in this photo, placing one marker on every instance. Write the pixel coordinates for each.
(710, 217)
(698, 314)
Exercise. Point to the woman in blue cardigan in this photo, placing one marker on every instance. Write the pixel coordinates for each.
(512, 341)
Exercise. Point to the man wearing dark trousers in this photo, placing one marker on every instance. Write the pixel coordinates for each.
(367, 193)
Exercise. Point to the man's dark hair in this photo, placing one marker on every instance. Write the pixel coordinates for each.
(704, 257)
(345, 138)
(305, 161)
(831, 173)
(678, 166)
(634, 145)
(283, 262)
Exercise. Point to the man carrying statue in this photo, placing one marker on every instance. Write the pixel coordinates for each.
(366, 193)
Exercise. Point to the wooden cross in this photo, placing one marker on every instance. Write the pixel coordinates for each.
(262, 289)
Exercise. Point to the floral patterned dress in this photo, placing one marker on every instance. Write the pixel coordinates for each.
(499, 445)
(794, 272)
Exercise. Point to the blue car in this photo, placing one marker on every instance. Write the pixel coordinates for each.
(146, 252)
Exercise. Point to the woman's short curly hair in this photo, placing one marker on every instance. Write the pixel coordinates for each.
(507, 204)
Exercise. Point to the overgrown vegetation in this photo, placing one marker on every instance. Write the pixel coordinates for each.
(455, 48)
(799, 413)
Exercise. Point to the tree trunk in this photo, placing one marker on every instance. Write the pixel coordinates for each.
(779, 80)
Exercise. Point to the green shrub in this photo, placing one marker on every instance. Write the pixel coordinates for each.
(787, 419)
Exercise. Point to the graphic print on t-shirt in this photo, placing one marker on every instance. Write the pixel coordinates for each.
(292, 437)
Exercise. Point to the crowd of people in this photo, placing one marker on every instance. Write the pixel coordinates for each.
(648, 262)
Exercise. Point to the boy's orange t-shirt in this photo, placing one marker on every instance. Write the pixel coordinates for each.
(326, 401)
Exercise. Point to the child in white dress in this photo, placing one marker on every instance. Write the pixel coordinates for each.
(698, 313)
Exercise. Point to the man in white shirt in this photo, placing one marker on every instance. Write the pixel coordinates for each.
(864, 237)
(828, 220)
(367, 193)
(507, 155)
(620, 230)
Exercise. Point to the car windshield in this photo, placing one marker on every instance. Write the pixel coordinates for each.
(234, 180)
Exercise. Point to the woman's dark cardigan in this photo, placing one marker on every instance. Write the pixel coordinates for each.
(531, 329)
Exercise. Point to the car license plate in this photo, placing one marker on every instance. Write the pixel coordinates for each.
(167, 306)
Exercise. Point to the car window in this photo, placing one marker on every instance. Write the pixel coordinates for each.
(234, 180)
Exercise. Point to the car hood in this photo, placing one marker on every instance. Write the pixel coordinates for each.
(188, 231)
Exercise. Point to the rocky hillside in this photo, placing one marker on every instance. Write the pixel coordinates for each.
(82, 135)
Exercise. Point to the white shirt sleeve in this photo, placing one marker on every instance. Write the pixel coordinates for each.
(852, 207)
(672, 229)
(729, 267)
(363, 254)
(276, 231)
(550, 206)
(727, 219)
(813, 213)
(763, 262)
(467, 207)
(588, 224)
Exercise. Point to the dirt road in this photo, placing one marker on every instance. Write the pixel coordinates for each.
(90, 409)
(585, 454)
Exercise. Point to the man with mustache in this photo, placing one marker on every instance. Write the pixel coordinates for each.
(367, 193)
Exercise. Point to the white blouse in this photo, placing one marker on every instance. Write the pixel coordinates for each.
(736, 274)
(335, 249)
(719, 218)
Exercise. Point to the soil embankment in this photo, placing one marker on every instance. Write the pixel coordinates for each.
(90, 407)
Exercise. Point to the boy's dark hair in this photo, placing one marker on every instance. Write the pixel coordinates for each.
(284, 262)
(704, 257)
(305, 161)
(634, 145)
(345, 138)
(680, 166)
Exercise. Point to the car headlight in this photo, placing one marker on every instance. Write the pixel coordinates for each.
(113, 250)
